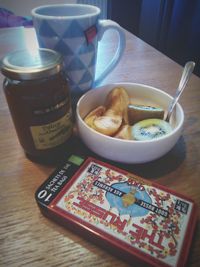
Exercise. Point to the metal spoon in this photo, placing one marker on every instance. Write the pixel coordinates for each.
(187, 71)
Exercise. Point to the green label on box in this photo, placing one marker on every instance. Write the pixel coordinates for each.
(76, 160)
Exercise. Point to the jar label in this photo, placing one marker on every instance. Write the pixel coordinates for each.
(52, 134)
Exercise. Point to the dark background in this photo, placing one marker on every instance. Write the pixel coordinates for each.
(171, 26)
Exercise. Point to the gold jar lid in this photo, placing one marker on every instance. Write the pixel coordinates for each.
(31, 64)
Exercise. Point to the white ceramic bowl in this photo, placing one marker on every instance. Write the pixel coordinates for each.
(128, 151)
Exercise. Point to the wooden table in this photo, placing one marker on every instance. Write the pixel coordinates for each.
(29, 239)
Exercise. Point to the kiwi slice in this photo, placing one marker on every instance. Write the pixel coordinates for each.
(150, 129)
(140, 112)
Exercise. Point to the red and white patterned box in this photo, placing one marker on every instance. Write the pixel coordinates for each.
(132, 217)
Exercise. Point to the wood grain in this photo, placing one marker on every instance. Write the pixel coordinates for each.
(29, 239)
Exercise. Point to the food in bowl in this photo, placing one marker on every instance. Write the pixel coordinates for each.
(121, 119)
(150, 129)
(123, 150)
(141, 112)
(109, 118)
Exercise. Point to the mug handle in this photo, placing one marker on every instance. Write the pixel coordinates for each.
(105, 25)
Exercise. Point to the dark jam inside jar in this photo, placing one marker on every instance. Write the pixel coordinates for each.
(42, 115)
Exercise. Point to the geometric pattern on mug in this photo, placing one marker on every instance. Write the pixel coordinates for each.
(79, 56)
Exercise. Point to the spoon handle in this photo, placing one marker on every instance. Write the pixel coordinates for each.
(187, 71)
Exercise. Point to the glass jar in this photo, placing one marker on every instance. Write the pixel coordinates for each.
(38, 97)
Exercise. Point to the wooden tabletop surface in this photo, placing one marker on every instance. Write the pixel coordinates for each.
(27, 238)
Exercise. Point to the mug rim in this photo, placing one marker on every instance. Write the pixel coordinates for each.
(44, 16)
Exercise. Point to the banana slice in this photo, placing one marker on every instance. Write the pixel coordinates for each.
(124, 132)
(107, 125)
(97, 112)
(109, 120)
(140, 112)
(117, 102)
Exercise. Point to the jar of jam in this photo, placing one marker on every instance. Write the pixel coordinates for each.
(38, 97)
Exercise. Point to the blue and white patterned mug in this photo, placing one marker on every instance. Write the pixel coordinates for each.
(74, 30)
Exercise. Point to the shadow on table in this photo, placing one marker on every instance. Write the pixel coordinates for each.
(150, 170)
(163, 165)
